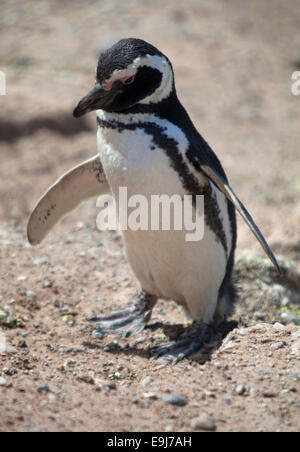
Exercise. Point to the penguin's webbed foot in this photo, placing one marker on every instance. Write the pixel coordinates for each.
(127, 321)
(173, 352)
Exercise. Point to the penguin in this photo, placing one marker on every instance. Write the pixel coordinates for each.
(148, 144)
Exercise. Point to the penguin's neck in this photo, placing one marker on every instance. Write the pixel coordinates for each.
(162, 109)
(170, 109)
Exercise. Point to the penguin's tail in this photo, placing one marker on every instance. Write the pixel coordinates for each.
(225, 306)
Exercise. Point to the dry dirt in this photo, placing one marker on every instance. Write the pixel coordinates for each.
(233, 63)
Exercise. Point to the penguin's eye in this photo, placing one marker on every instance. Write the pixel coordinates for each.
(128, 80)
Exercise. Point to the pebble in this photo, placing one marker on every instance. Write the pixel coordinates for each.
(41, 261)
(111, 385)
(146, 381)
(86, 379)
(69, 364)
(43, 388)
(240, 389)
(278, 326)
(98, 334)
(296, 348)
(22, 344)
(276, 345)
(288, 317)
(175, 400)
(150, 395)
(52, 398)
(229, 346)
(204, 422)
(269, 394)
(30, 294)
(140, 340)
(2, 381)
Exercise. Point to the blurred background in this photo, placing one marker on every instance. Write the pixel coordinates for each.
(233, 62)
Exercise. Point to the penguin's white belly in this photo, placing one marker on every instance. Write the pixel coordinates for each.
(166, 264)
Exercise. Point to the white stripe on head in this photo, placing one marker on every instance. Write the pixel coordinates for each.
(154, 61)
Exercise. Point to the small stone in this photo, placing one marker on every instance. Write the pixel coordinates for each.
(41, 261)
(296, 348)
(47, 284)
(242, 331)
(229, 346)
(278, 326)
(68, 364)
(204, 422)
(30, 294)
(240, 389)
(2, 381)
(276, 345)
(43, 388)
(22, 343)
(146, 381)
(111, 385)
(150, 395)
(288, 317)
(118, 375)
(52, 398)
(96, 334)
(140, 340)
(86, 379)
(68, 320)
(175, 400)
(114, 345)
(269, 394)
(297, 376)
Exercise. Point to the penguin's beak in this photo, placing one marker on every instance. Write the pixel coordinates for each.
(96, 99)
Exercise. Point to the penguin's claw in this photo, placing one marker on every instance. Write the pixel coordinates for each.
(113, 316)
(173, 352)
(126, 321)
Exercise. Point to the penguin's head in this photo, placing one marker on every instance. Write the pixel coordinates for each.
(128, 73)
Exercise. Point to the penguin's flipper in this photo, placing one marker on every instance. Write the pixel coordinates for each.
(225, 188)
(83, 182)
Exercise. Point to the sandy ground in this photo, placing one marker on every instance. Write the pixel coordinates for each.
(233, 63)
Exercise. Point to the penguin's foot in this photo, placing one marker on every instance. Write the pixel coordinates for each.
(127, 321)
(173, 352)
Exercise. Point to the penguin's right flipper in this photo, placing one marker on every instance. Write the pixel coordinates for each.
(81, 183)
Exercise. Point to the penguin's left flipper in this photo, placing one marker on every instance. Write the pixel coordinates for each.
(225, 188)
(83, 182)
(173, 352)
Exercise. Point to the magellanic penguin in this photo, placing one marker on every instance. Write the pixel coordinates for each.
(148, 143)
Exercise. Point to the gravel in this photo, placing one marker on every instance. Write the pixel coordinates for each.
(176, 400)
(204, 422)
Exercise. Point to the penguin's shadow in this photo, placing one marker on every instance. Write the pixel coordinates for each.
(212, 341)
